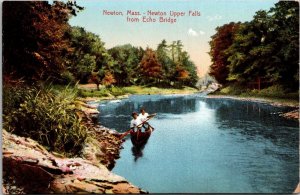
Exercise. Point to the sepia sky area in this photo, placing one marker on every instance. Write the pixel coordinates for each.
(193, 31)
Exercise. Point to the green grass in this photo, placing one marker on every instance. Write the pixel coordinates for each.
(94, 93)
(121, 91)
(156, 90)
(48, 115)
(276, 94)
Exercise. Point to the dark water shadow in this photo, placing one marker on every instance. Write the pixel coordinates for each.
(137, 151)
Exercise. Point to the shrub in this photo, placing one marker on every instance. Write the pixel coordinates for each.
(103, 92)
(116, 91)
(273, 91)
(49, 117)
(12, 97)
(233, 90)
(67, 78)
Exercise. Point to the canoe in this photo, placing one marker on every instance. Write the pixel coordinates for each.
(141, 138)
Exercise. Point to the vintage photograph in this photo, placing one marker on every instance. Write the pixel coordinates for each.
(152, 96)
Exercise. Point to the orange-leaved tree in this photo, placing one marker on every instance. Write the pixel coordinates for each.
(150, 68)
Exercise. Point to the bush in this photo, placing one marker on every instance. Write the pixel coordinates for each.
(116, 91)
(67, 78)
(233, 90)
(103, 92)
(47, 116)
(12, 97)
(275, 91)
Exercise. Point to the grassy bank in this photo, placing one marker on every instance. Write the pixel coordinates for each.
(275, 95)
(50, 115)
(90, 90)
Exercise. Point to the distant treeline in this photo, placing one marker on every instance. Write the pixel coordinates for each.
(39, 44)
(263, 51)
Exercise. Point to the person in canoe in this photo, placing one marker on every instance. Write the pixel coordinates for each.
(136, 123)
(144, 117)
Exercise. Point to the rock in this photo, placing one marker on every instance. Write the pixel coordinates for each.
(297, 190)
(291, 115)
(33, 171)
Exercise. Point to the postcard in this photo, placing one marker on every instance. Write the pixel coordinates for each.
(152, 96)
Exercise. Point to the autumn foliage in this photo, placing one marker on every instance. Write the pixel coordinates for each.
(221, 41)
(35, 45)
(108, 79)
(40, 45)
(150, 68)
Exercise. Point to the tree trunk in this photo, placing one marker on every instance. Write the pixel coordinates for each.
(258, 83)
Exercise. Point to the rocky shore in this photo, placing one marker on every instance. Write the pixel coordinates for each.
(29, 168)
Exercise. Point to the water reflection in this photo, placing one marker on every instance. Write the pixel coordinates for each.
(253, 120)
(121, 111)
(215, 145)
(137, 151)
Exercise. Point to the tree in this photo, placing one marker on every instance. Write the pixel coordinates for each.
(181, 75)
(150, 68)
(220, 42)
(191, 69)
(95, 79)
(173, 50)
(168, 66)
(108, 79)
(34, 38)
(266, 48)
(179, 47)
(285, 32)
(89, 54)
(127, 59)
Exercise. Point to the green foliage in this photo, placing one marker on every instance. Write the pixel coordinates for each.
(102, 92)
(12, 97)
(117, 91)
(275, 91)
(233, 90)
(177, 68)
(89, 54)
(265, 48)
(46, 115)
(125, 68)
(67, 78)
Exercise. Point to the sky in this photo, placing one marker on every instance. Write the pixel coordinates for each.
(193, 31)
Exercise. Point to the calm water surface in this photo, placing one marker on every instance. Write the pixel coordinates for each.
(207, 145)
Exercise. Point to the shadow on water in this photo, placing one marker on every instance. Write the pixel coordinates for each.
(137, 151)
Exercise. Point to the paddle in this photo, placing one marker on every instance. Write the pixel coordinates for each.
(128, 131)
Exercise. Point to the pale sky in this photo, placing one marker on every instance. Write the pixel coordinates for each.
(193, 31)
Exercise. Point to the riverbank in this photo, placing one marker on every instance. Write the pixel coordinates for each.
(30, 168)
(89, 92)
(272, 101)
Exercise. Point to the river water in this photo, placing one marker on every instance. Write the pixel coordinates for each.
(207, 145)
